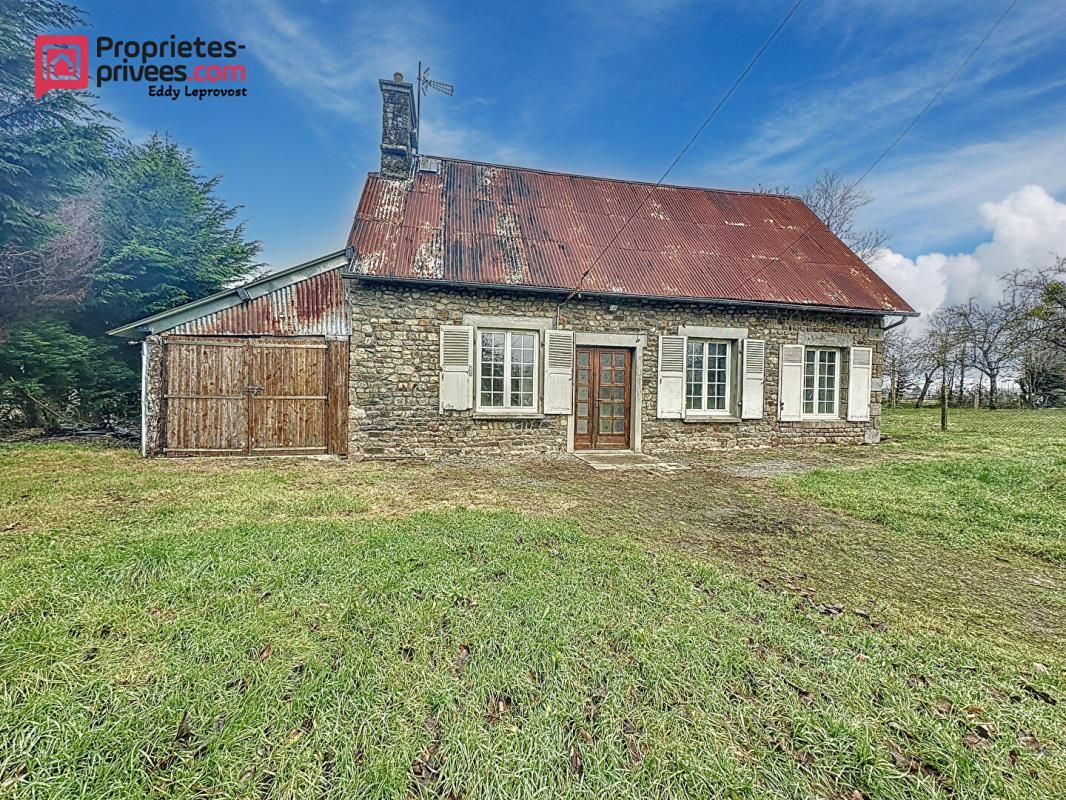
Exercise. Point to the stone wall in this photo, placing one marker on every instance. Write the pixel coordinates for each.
(395, 373)
(152, 423)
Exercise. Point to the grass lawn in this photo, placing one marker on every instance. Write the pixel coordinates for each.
(282, 628)
(993, 479)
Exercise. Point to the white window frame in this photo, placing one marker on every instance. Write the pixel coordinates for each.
(730, 377)
(835, 414)
(507, 408)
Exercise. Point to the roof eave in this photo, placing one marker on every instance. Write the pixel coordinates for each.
(502, 287)
(265, 284)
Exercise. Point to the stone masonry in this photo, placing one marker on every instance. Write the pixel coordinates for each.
(394, 404)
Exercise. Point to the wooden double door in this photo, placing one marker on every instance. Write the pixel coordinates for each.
(603, 398)
(255, 396)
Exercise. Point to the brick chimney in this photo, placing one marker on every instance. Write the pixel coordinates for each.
(399, 128)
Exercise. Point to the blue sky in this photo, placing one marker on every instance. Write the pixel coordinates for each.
(615, 89)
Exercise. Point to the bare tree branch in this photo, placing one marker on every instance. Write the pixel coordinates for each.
(56, 274)
(837, 202)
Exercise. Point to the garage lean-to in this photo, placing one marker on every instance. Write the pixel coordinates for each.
(261, 369)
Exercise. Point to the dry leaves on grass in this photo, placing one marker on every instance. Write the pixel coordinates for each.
(426, 767)
(915, 766)
(184, 732)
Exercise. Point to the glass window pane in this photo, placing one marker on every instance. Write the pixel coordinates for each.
(582, 426)
(827, 364)
(809, 380)
(619, 426)
(694, 375)
(717, 375)
(491, 357)
(522, 352)
(582, 393)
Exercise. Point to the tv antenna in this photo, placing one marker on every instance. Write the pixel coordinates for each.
(425, 83)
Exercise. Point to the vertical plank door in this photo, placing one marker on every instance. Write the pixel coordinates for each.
(269, 395)
(205, 396)
(288, 401)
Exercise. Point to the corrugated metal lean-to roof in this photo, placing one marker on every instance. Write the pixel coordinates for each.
(483, 224)
(307, 299)
(313, 307)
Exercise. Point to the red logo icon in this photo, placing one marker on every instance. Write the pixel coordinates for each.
(61, 62)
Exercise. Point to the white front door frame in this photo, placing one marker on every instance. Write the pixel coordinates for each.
(636, 342)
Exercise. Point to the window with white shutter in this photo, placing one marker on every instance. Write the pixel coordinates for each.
(457, 367)
(671, 390)
(821, 381)
(860, 370)
(708, 377)
(507, 369)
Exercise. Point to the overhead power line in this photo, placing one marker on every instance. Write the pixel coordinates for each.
(899, 138)
(699, 131)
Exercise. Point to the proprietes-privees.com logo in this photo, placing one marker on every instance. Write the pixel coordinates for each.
(62, 62)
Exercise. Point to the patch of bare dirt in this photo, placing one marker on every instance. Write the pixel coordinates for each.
(729, 514)
(723, 509)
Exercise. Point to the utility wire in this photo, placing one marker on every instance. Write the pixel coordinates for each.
(685, 149)
(901, 135)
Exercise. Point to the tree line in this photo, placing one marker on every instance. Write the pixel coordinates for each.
(969, 353)
(978, 351)
(95, 231)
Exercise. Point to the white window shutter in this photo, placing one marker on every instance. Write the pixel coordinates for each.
(671, 394)
(790, 396)
(559, 372)
(752, 369)
(456, 367)
(860, 370)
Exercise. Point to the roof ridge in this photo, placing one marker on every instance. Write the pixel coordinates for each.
(604, 178)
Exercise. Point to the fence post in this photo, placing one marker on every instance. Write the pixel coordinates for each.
(944, 397)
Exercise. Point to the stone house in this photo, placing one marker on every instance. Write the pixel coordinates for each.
(480, 309)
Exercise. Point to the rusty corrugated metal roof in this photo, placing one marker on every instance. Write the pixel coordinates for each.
(315, 306)
(476, 223)
(307, 299)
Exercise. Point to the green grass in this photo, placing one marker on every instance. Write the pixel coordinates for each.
(289, 629)
(994, 479)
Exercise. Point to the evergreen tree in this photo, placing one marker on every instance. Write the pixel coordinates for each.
(51, 148)
(48, 145)
(92, 234)
(168, 238)
(51, 374)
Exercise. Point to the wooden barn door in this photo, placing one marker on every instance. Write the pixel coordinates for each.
(287, 397)
(206, 397)
(255, 396)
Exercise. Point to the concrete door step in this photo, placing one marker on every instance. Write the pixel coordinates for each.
(625, 460)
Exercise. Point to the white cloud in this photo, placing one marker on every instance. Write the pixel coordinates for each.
(996, 127)
(366, 43)
(335, 69)
(928, 201)
(1028, 228)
